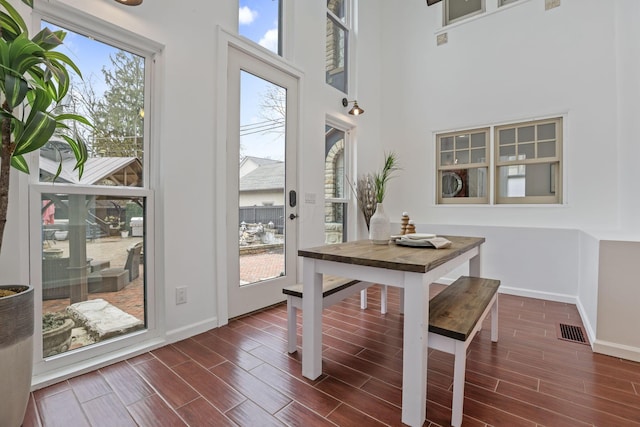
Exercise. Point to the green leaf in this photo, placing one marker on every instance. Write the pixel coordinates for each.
(36, 133)
(64, 59)
(20, 163)
(79, 151)
(15, 89)
(47, 39)
(76, 117)
(15, 15)
(10, 28)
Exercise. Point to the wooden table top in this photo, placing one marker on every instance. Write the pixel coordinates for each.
(392, 256)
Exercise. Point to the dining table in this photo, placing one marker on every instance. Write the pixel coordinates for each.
(412, 269)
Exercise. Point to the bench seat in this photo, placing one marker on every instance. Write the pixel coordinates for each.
(334, 289)
(455, 316)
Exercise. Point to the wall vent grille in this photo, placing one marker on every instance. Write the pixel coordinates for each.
(571, 333)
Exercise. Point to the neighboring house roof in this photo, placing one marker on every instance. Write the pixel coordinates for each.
(125, 171)
(266, 177)
(250, 163)
(259, 161)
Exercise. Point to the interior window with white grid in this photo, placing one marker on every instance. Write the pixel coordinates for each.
(463, 160)
(523, 161)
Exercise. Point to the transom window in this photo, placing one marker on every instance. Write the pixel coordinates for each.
(526, 164)
(261, 22)
(337, 44)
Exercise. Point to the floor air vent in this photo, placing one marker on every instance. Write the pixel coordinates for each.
(571, 333)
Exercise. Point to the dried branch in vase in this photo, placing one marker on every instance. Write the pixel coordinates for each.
(365, 193)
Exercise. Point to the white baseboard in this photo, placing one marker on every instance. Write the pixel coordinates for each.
(591, 333)
(549, 296)
(179, 334)
(617, 350)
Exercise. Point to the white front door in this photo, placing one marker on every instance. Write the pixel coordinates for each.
(262, 200)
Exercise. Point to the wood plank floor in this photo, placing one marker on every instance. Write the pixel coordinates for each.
(241, 374)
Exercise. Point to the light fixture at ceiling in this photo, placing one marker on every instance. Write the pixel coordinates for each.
(356, 110)
(130, 2)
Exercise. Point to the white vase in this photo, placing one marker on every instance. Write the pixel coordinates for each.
(379, 226)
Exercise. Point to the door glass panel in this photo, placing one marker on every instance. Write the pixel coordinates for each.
(262, 179)
(93, 269)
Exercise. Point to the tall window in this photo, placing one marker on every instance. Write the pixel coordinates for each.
(261, 21)
(337, 44)
(93, 227)
(336, 195)
(457, 10)
(526, 164)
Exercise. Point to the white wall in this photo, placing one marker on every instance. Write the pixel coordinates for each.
(531, 262)
(628, 91)
(516, 64)
(618, 296)
(588, 283)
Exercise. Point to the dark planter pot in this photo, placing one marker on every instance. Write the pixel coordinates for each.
(16, 353)
(57, 340)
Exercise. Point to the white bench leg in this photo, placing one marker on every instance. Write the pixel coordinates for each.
(458, 383)
(292, 327)
(383, 299)
(494, 321)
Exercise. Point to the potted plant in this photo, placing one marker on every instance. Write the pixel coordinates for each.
(370, 193)
(34, 79)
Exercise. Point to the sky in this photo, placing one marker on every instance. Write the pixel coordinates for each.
(89, 55)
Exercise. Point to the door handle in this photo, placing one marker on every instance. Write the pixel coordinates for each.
(293, 216)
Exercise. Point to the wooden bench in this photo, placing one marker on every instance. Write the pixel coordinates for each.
(334, 289)
(455, 316)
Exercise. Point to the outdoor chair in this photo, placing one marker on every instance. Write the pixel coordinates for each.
(114, 279)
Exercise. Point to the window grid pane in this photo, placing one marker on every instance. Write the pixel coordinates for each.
(463, 168)
(336, 54)
(531, 142)
(113, 100)
(336, 192)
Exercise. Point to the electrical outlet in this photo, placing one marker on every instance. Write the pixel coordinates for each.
(550, 4)
(181, 295)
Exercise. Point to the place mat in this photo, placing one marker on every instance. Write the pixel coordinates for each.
(435, 242)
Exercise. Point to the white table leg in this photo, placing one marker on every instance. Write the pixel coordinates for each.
(414, 360)
(363, 299)
(494, 321)
(474, 265)
(311, 320)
